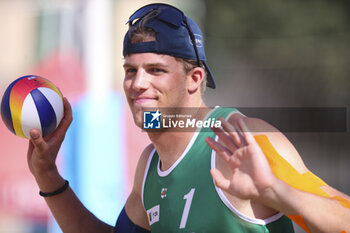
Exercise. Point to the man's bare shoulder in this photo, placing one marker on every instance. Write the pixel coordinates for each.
(278, 140)
(140, 169)
(134, 206)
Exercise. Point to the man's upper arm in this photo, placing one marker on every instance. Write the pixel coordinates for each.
(278, 140)
(134, 206)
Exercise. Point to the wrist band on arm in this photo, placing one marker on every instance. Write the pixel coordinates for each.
(56, 192)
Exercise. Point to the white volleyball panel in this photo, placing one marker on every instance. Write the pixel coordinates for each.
(29, 116)
(55, 100)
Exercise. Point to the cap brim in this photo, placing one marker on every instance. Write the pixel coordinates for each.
(210, 78)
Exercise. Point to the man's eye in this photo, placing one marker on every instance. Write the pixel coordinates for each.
(156, 70)
(130, 71)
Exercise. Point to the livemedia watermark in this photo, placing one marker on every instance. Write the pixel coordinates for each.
(330, 119)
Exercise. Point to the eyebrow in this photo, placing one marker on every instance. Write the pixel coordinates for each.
(147, 65)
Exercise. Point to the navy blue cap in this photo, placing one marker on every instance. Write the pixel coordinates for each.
(173, 36)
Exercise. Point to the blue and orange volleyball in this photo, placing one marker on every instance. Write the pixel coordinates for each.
(31, 102)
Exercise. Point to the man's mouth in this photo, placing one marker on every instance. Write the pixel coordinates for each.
(143, 100)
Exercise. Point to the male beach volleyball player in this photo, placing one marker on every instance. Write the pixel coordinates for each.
(258, 177)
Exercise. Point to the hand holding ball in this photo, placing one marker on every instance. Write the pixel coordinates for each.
(32, 102)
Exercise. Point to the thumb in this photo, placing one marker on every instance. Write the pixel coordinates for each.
(37, 140)
(219, 179)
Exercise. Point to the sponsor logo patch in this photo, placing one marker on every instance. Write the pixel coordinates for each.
(153, 215)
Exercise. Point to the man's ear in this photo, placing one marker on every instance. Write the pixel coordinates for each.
(194, 79)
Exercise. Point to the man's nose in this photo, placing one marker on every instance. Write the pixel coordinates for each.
(141, 80)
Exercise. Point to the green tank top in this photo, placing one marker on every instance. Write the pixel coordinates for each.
(185, 199)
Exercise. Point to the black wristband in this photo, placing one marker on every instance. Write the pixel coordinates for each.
(58, 191)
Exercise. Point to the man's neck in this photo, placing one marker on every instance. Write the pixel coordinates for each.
(171, 144)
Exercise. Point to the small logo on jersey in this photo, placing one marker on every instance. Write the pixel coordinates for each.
(153, 215)
(151, 119)
(163, 192)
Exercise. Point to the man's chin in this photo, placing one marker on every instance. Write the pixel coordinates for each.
(137, 115)
(138, 123)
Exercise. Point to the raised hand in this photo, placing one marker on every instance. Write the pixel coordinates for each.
(42, 152)
(251, 173)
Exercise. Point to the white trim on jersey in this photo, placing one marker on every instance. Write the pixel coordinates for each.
(228, 203)
(188, 147)
(145, 174)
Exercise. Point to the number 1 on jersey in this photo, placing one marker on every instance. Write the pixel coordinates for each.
(188, 197)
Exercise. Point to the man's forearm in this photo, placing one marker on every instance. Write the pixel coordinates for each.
(320, 214)
(69, 212)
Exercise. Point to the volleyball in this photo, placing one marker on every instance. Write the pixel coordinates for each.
(31, 102)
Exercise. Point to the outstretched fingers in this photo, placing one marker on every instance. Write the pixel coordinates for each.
(231, 131)
(231, 158)
(220, 149)
(225, 138)
(247, 135)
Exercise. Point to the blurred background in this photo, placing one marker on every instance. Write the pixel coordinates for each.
(262, 53)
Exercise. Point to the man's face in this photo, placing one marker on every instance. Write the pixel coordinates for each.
(153, 81)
